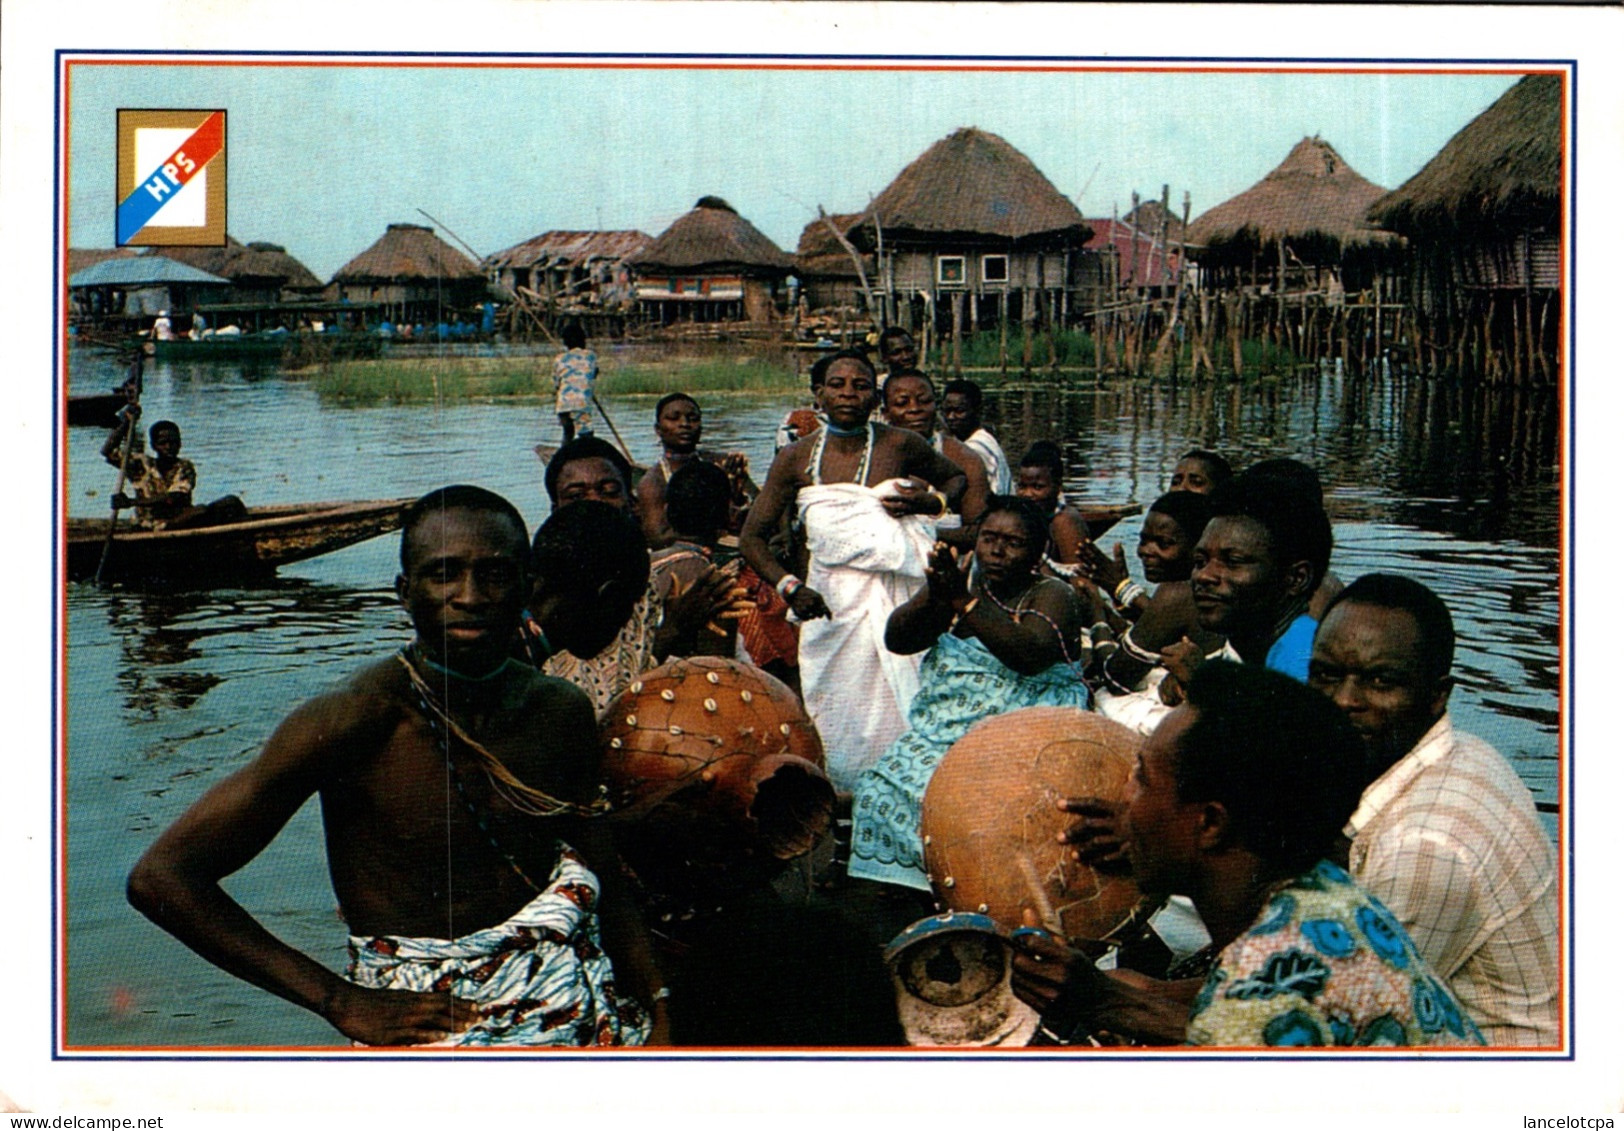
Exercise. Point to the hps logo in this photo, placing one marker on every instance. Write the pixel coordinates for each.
(172, 178)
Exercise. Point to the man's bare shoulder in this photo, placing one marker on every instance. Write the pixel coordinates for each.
(373, 696)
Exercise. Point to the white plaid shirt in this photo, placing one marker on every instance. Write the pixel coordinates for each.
(1448, 839)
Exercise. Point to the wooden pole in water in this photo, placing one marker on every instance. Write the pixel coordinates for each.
(1003, 331)
(132, 385)
(958, 334)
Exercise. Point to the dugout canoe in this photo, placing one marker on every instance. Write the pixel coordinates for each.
(97, 410)
(1099, 516)
(267, 538)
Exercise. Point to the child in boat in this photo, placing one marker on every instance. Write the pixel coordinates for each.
(163, 483)
(1041, 475)
(697, 507)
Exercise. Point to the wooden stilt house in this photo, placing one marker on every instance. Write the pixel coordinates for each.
(416, 275)
(710, 265)
(972, 234)
(1301, 228)
(1484, 221)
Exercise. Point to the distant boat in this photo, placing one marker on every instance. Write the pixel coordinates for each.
(96, 410)
(251, 548)
(238, 346)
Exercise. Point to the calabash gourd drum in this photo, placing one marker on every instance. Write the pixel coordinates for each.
(990, 821)
(718, 776)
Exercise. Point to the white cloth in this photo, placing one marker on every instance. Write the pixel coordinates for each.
(864, 563)
(1142, 709)
(991, 453)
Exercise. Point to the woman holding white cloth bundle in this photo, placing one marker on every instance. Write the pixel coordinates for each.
(868, 497)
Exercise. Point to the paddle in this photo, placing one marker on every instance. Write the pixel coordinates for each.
(624, 450)
(132, 389)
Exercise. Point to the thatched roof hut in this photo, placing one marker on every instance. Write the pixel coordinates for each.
(1503, 169)
(1313, 200)
(713, 237)
(969, 186)
(79, 258)
(409, 253)
(819, 254)
(255, 266)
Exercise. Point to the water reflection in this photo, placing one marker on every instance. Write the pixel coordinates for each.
(169, 692)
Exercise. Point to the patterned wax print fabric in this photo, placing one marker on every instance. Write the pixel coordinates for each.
(574, 371)
(1325, 964)
(540, 978)
(630, 654)
(1449, 839)
(960, 684)
(152, 487)
(1289, 654)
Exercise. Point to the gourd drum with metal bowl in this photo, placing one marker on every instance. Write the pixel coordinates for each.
(990, 822)
(717, 777)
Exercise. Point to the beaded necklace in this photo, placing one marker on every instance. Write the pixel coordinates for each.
(814, 466)
(1018, 612)
(526, 799)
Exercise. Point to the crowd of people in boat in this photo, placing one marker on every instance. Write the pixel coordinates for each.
(1335, 864)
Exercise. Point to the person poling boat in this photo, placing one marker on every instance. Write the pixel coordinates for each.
(163, 483)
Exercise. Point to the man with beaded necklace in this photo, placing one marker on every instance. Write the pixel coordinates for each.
(459, 795)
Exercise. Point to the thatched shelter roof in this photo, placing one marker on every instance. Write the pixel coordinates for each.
(820, 254)
(408, 253)
(570, 248)
(262, 263)
(713, 236)
(1503, 169)
(1313, 195)
(79, 258)
(974, 184)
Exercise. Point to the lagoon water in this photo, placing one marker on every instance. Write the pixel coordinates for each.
(169, 692)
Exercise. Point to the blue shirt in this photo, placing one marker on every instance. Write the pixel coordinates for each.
(1290, 653)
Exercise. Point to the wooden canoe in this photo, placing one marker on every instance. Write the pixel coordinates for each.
(1099, 516)
(97, 410)
(252, 548)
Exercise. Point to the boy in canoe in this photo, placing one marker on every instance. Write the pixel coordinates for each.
(459, 793)
(163, 483)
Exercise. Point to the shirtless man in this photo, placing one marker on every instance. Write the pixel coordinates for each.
(459, 792)
(858, 486)
(679, 425)
(910, 402)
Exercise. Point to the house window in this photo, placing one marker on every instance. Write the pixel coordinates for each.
(950, 270)
(995, 268)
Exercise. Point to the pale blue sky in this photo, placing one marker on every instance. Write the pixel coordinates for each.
(322, 158)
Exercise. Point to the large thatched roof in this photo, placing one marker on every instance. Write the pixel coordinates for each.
(712, 236)
(1313, 195)
(408, 252)
(265, 264)
(974, 184)
(1504, 168)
